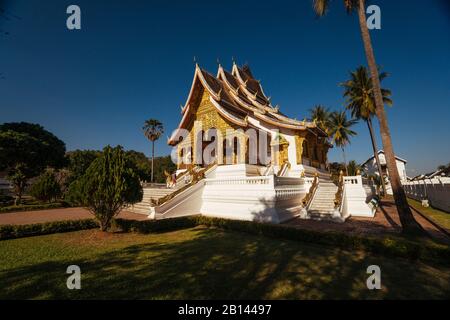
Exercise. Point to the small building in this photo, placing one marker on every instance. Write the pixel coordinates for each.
(370, 168)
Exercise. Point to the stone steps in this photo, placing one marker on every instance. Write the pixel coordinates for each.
(150, 194)
(322, 206)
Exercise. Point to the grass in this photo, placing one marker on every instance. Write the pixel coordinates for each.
(204, 263)
(440, 217)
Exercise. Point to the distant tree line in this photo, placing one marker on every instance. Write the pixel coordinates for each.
(35, 161)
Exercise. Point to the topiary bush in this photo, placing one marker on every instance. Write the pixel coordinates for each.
(109, 184)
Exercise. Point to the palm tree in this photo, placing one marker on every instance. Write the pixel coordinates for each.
(353, 168)
(321, 116)
(358, 91)
(340, 132)
(153, 129)
(409, 224)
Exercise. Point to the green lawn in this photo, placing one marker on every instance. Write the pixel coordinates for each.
(440, 217)
(204, 263)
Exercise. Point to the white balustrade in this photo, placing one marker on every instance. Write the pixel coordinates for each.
(241, 181)
(356, 180)
(282, 194)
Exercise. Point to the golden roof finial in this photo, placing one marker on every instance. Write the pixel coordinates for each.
(195, 61)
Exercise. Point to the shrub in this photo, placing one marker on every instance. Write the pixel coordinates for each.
(149, 226)
(32, 207)
(46, 187)
(5, 198)
(109, 184)
(20, 231)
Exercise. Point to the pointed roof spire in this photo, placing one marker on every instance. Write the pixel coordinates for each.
(195, 61)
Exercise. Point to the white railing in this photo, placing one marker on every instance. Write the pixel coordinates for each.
(269, 170)
(353, 180)
(308, 180)
(240, 181)
(284, 181)
(288, 193)
(354, 198)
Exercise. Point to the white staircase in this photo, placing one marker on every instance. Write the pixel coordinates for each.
(151, 194)
(322, 205)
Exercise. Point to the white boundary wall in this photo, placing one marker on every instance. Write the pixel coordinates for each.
(436, 191)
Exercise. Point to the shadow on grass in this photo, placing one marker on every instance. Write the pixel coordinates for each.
(214, 264)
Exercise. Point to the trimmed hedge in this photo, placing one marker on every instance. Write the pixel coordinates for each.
(149, 226)
(31, 207)
(29, 230)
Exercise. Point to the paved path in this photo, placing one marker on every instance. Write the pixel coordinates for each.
(386, 220)
(39, 216)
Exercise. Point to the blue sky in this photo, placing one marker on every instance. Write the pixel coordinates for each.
(133, 60)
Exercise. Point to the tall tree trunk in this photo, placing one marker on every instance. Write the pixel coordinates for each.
(153, 156)
(409, 224)
(375, 154)
(345, 161)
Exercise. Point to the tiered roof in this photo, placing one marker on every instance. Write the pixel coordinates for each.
(236, 96)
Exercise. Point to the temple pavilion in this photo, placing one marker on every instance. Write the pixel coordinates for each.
(221, 109)
(239, 157)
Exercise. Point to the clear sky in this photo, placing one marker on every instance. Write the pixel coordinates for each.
(133, 60)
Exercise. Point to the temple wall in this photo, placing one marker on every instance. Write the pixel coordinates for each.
(207, 117)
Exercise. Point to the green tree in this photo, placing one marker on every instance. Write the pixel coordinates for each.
(46, 187)
(321, 116)
(109, 184)
(153, 129)
(360, 100)
(335, 170)
(353, 168)
(26, 149)
(409, 224)
(143, 167)
(79, 161)
(445, 168)
(163, 164)
(340, 132)
(19, 176)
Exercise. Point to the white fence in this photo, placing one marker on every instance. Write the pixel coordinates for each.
(436, 191)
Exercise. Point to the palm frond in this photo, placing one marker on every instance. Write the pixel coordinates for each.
(320, 7)
(153, 129)
(359, 96)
